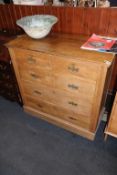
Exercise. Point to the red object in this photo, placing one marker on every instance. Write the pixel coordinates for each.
(98, 43)
(4, 54)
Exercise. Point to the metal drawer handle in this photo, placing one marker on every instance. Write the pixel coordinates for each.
(34, 76)
(37, 92)
(72, 118)
(40, 106)
(31, 60)
(72, 86)
(72, 103)
(73, 68)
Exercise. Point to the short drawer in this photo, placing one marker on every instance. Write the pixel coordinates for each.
(79, 68)
(35, 75)
(58, 112)
(32, 58)
(38, 91)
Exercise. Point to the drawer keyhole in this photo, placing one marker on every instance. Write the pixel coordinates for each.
(72, 118)
(34, 76)
(73, 68)
(40, 106)
(31, 60)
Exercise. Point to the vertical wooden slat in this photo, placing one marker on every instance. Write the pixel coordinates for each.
(40, 9)
(9, 17)
(5, 17)
(91, 20)
(78, 17)
(104, 21)
(1, 18)
(12, 18)
(34, 10)
(23, 10)
(68, 22)
(47, 9)
(18, 15)
(112, 27)
(56, 27)
(62, 19)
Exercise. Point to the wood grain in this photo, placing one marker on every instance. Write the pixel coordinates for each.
(61, 81)
(71, 20)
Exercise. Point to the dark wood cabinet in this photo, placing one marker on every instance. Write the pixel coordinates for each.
(8, 84)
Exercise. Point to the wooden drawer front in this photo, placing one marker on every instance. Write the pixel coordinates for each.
(34, 75)
(86, 70)
(75, 105)
(33, 58)
(39, 91)
(54, 95)
(59, 112)
(112, 127)
(79, 106)
(75, 85)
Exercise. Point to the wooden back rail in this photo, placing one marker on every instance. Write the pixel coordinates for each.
(71, 20)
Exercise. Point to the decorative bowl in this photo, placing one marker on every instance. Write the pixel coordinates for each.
(37, 26)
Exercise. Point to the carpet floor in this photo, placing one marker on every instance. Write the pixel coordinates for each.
(30, 146)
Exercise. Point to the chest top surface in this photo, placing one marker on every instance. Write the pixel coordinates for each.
(61, 44)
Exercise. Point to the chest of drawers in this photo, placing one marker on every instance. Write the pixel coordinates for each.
(61, 83)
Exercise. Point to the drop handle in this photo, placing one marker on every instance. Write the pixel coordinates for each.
(72, 103)
(72, 118)
(72, 86)
(34, 76)
(73, 68)
(39, 105)
(31, 60)
(37, 92)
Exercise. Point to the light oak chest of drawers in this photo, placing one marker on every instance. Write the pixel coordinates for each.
(61, 83)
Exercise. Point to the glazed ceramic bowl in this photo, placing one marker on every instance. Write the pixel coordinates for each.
(37, 26)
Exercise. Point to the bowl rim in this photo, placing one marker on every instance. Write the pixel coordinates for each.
(40, 15)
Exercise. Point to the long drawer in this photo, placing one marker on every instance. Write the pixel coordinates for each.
(35, 75)
(57, 111)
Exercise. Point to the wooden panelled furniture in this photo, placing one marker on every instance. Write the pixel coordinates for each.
(61, 83)
(102, 21)
(111, 128)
